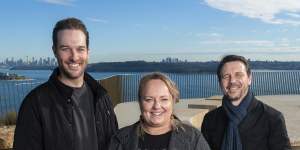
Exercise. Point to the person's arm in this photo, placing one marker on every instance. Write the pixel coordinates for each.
(111, 124)
(201, 143)
(115, 126)
(28, 132)
(204, 127)
(278, 139)
(115, 144)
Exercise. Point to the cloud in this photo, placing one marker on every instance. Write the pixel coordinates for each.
(294, 15)
(284, 42)
(269, 11)
(97, 20)
(59, 2)
(240, 42)
(214, 34)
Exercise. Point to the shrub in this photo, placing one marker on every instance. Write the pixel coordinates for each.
(10, 118)
(1, 121)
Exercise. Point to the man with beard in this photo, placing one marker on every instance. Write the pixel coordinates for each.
(242, 122)
(71, 111)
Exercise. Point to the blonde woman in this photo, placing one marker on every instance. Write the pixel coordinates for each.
(158, 128)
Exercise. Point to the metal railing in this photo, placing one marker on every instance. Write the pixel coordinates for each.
(205, 85)
(12, 93)
(123, 88)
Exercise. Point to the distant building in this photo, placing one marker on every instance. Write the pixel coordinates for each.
(171, 60)
(32, 62)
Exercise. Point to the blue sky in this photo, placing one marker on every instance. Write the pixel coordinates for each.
(121, 30)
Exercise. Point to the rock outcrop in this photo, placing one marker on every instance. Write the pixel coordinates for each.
(6, 136)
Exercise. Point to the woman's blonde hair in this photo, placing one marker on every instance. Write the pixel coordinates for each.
(159, 76)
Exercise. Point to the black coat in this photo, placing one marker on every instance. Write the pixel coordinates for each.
(185, 138)
(45, 117)
(262, 129)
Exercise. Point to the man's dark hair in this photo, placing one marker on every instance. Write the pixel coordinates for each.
(230, 58)
(69, 23)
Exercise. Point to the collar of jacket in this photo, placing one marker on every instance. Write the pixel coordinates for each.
(252, 104)
(250, 118)
(129, 137)
(67, 91)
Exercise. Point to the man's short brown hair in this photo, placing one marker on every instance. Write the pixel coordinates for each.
(69, 23)
(230, 58)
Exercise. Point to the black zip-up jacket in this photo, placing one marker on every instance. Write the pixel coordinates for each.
(45, 117)
(262, 129)
(184, 138)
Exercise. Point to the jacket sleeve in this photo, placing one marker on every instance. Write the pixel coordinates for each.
(28, 132)
(114, 126)
(279, 139)
(201, 143)
(204, 127)
(111, 124)
(115, 144)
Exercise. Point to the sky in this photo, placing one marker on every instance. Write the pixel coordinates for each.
(127, 30)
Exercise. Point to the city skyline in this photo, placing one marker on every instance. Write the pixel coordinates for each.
(33, 61)
(51, 61)
(193, 30)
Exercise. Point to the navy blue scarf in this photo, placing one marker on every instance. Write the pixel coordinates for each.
(236, 114)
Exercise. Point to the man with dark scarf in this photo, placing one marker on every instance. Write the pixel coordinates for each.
(242, 122)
